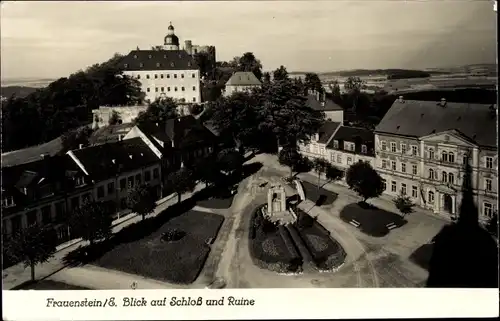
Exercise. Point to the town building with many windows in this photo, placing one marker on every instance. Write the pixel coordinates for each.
(421, 147)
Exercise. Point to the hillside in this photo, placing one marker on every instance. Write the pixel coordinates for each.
(19, 91)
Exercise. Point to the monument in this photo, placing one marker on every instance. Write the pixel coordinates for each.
(276, 209)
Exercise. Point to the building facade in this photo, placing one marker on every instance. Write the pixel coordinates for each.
(425, 159)
(241, 81)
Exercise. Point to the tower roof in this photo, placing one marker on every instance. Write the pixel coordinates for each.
(170, 27)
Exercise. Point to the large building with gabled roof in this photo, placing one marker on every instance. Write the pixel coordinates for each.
(168, 70)
(421, 147)
(241, 81)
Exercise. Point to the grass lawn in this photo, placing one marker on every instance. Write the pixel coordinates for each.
(373, 221)
(321, 195)
(178, 261)
(50, 285)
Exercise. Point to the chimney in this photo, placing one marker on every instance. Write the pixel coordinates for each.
(324, 95)
(318, 96)
(443, 102)
(157, 125)
(130, 156)
(80, 146)
(43, 156)
(401, 100)
(113, 161)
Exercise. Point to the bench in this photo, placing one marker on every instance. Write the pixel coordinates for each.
(391, 226)
(354, 223)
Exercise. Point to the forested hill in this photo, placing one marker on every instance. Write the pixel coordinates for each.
(382, 72)
(65, 104)
(18, 91)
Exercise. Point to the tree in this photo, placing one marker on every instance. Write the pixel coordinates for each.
(354, 85)
(195, 109)
(335, 88)
(141, 200)
(320, 167)
(364, 180)
(333, 173)
(181, 181)
(404, 204)
(159, 111)
(266, 77)
(114, 119)
(204, 63)
(229, 160)
(92, 221)
(248, 62)
(32, 246)
(73, 138)
(207, 170)
(312, 82)
(280, 74)
(304, 165)
(289, 157)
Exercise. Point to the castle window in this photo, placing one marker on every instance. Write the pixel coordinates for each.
(183, 89)
(194, 76)
(384, 145)
(175, 88)
(156, 76)
(393, 147)
(182, 75)
(489, 162)
(175, 75)
(444, 156)
(156, 89)
(451, 178)
(162, 89)
(168, 75)
(444, 177)
(147, 76)
(161, 76)
(194, 99)
(138, 76)
(430, 197)
(194, 88)
(168, 88)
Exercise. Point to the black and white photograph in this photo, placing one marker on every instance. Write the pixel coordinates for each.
(249, 144)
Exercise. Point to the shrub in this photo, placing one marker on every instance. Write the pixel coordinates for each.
(173, 235)
(304, 220)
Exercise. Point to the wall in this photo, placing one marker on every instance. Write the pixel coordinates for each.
(127, 113)
(229, 90)
(336, 116)
(167, 85)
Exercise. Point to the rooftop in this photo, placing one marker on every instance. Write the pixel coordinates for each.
(322, 104)
(243, 78)
(326, 131)
(109, 133)
(421, 118)
(31, 154)
(158, 60)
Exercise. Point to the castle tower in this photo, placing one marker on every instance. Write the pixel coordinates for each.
(188, 46)
(171, 41)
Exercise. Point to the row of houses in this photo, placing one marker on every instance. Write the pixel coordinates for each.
(47, 190)
(420, 148)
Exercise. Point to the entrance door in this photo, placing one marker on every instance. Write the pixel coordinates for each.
(448, 203)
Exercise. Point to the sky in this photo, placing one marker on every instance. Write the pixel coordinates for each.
(54, 39)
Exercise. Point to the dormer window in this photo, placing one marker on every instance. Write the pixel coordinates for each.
(349, 146)
(172, 64)
(125, 65)
(335, 144)
(364, 149)
(135, 56)
(165, 56)
(141, 65)
(189, 64)
(8, 201)
(158, 64)
(149, 56)
(79, 181)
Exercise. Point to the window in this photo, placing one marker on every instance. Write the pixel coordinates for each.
(363, 149)
(489, 162)
(335, 144)
(156, 173)
(451, 178)
(464, 160)
(393, 165)
(175, 88)
(130, 182)
(147, 76)
(444, 156)
(60, 211)
(349, 160)
(430, 197)
(162, 89)
(322, 150)
(175, 75)
(414, 169)
(168, 76)
(125, 65)
(31, 218)
(487, 184)
(148, 89)
(403, 188)
(487, 209)
(393, 147)
(339, 159)
(451, 157)
(80, 181)
(384, 163)
(161, 76)
(46, 215)
(156, 89)
(182, 75)
(414, 150)
(393, 187)
(431, 153)
(384, 146)
(138, 179)
(123, 184)
(414, 191)
(193, 75)
(332, 158)
(111, 188)
(147, 176)
(384, 184)
(100, 191)
(138, 76)
(141, 65)
(431, 173)
(403, 148)
(194, 99)
(403, 167)
(183, 89)
(168, 88)
(444, 177)
(8, 201)
(194, 88)
(156, 76)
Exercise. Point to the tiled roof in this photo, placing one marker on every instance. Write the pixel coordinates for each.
(187, 130)
(31, 154)
(326, 131)
(128, 155)
(243, 78)
(158, 60)
(422, 118)
(325, 105)
(109, 134)
(358, 136)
